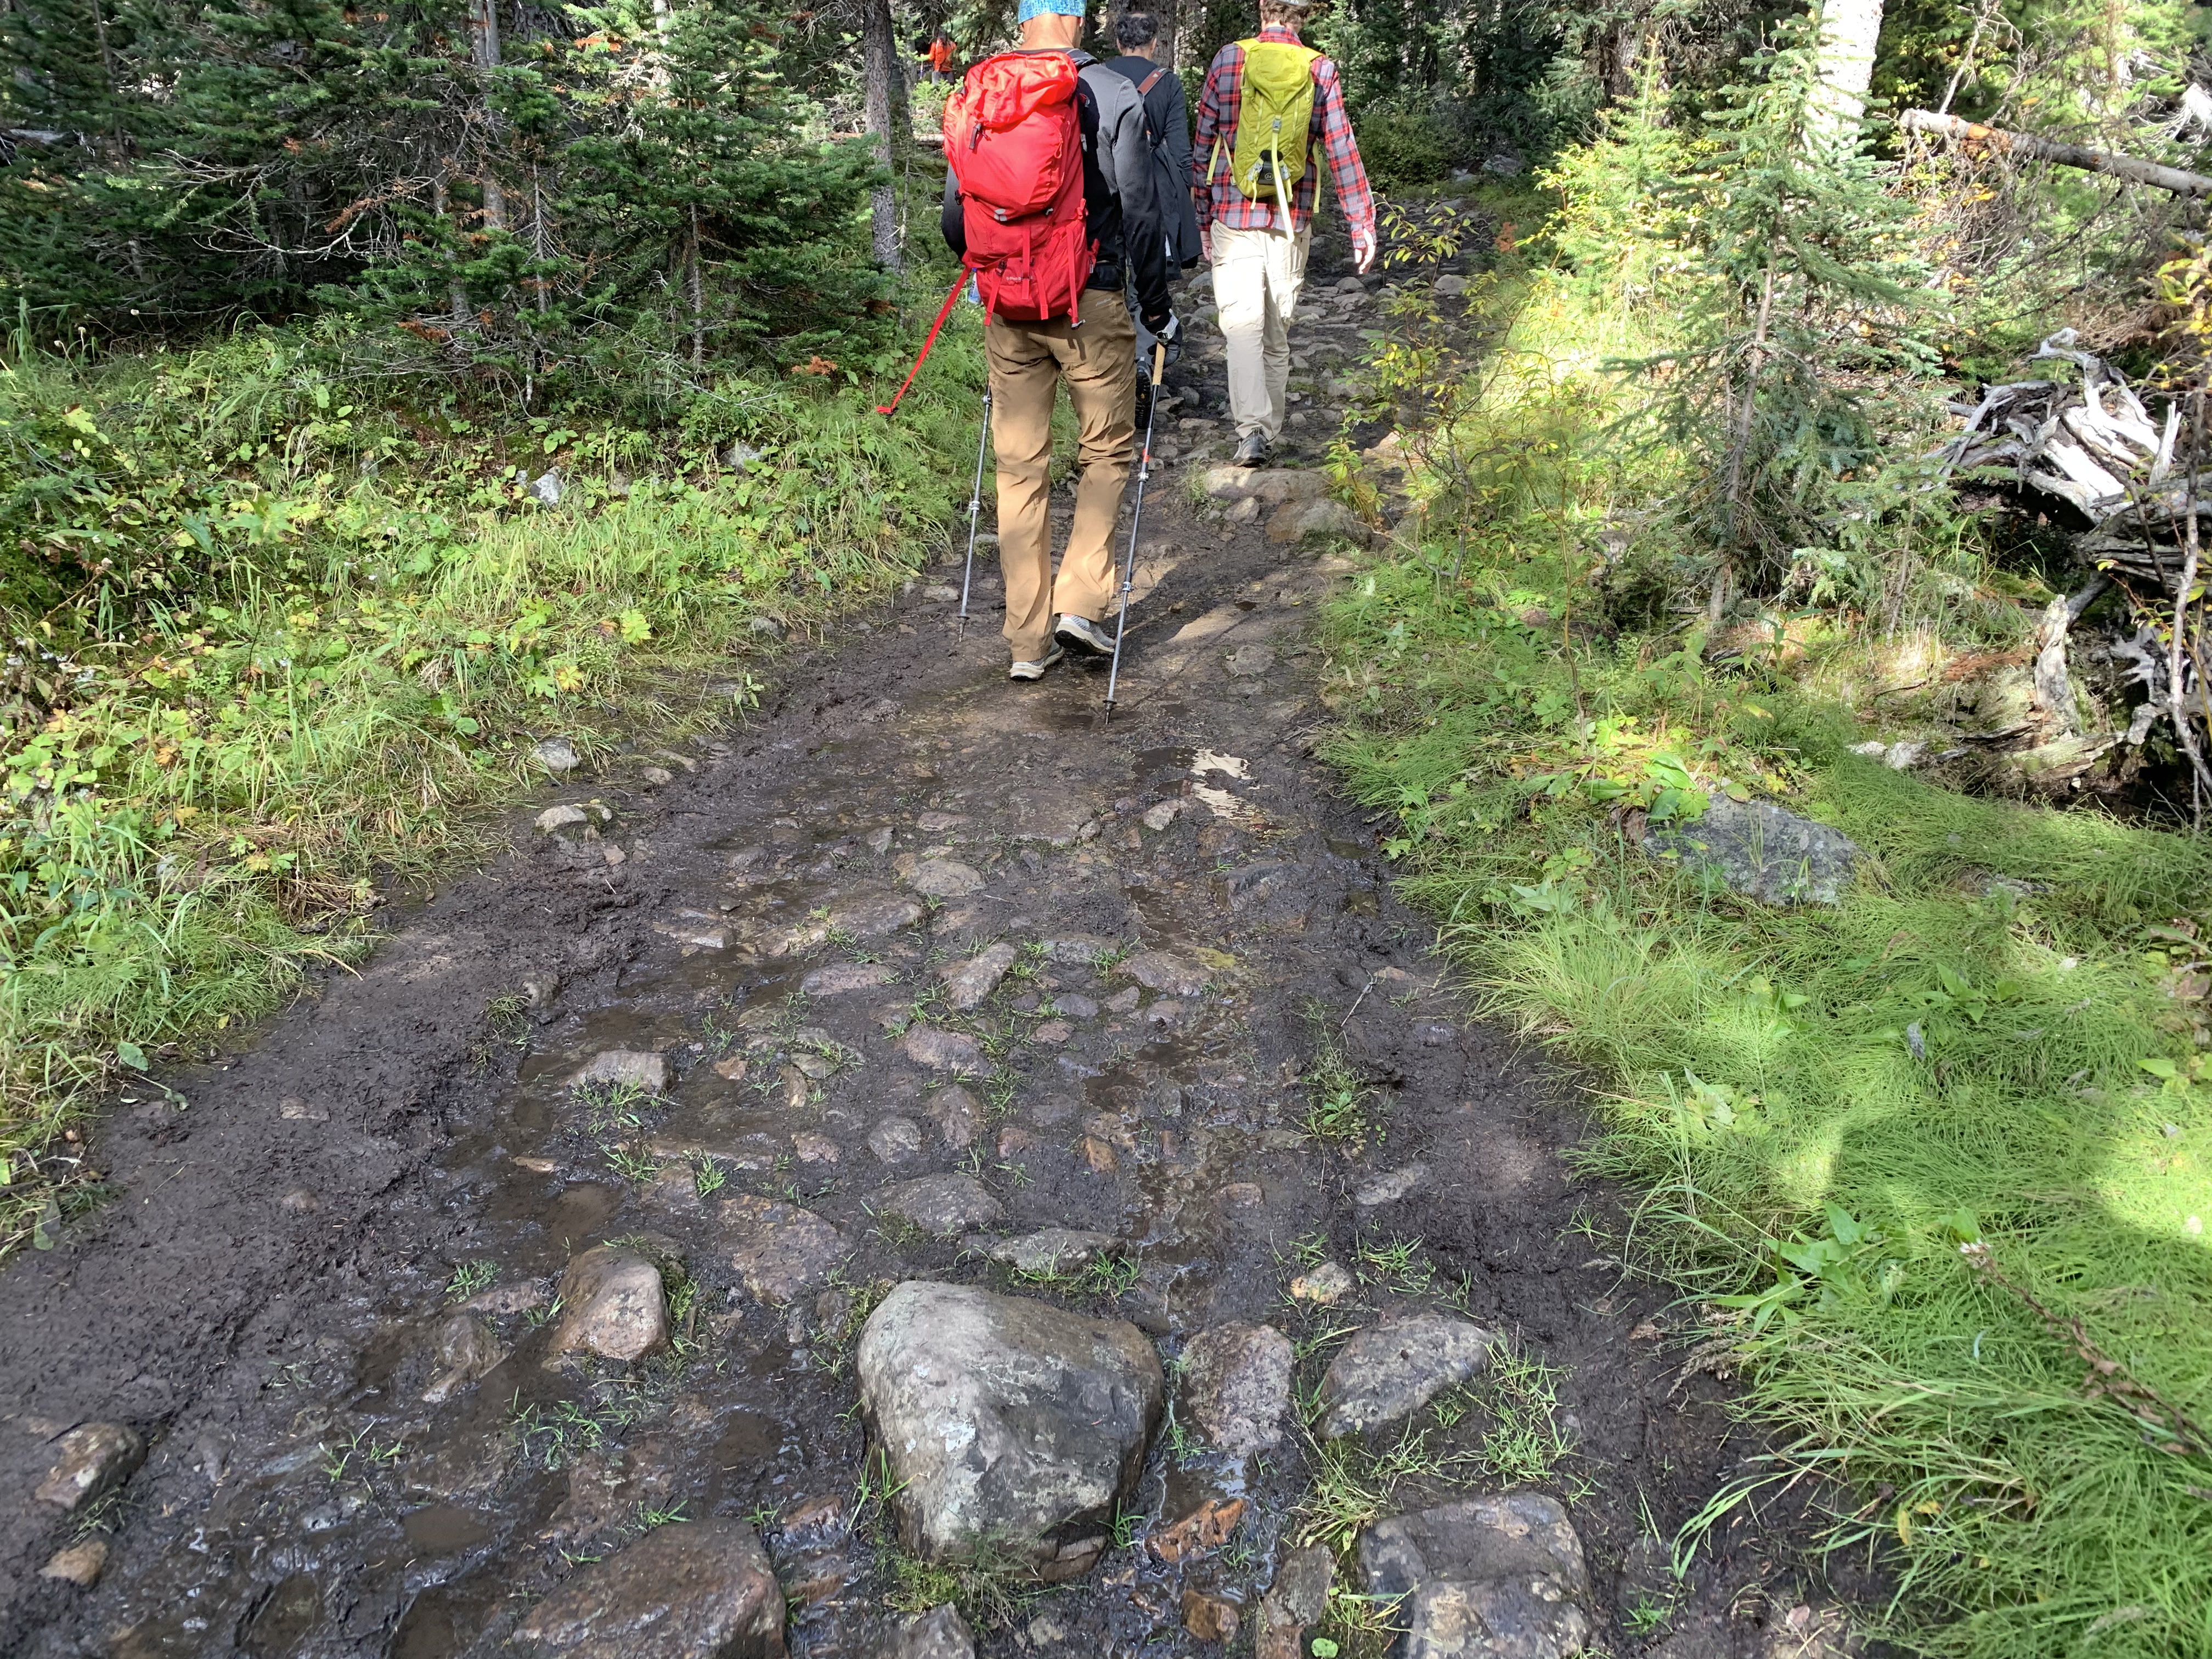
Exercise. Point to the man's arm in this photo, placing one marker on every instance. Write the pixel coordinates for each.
(952, 221)
(1353, 197)
(1211, 130)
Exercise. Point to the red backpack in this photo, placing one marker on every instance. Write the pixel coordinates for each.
(1015, 144)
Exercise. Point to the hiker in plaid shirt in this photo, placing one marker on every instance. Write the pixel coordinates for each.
(1259, 261)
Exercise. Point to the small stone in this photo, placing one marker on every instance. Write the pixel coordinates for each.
(1098, 1155)
(940, 1633)
(1450, 287)
(293, 1109)
(693, 1589)
(633, 1067)
(1389, 1186)
(300, 1200)
(464, 1349)
(1249, 662)
(95, 1458)
(1326, 1285)
(781, 1250)
(895, 1140)
(843, 976)
(941, 1050)
(958, 1115)
(1209, 1617)
(1351, 285)
(1004, 1419)
(613, 1306)
(545, 488)
(1053, 1250)
(815, 1149)
(1165, 972)
(871, 916)
(766, 626)
(945, 879)
(658, 775)
(968, 983)
(1245, 511)
(1123, 1002)
(940, 592)
(1243, 1194)
(1298, 1600)
(561, 817)
(1080, 950)
(945, 1205)
(556, 755)
(79, 1564)
(1236, 1384)
(1388, 1372)
(1074, 1005)
(1159, 817)
(732, 1066)
(936, 824)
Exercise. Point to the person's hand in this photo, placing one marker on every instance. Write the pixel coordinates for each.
(1169, 334)
(1363, 250)
(1206, 244)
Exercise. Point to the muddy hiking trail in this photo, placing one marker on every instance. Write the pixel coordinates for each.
(924, 981)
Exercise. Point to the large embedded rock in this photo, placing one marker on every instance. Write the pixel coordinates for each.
(95, 1458)
(941, 1050)
(945, 879)
(1296, 521)
(1388, 1372)
(968, 983)
(780, 1249)
(1761, 851)
(625, 1068)
(940, 1633)
(1011, 1427)
(1234, 1384)
(840, 977)
(613, 1305)
(697, 1590)
(1166, 972)
(942, 1203)
(1501, 1576)
(871, 916)
(1053, 1250)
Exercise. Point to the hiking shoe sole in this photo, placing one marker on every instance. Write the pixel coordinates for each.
(1034, 671)
(1085, 635)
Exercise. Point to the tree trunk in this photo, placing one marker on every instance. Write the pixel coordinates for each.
(695, 289)
(537, 244)
(1849, 29)
(2133, 168)
(483, 50)
(879, 54)
(456, 297)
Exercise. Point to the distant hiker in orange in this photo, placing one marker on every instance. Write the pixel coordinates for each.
(939, 54)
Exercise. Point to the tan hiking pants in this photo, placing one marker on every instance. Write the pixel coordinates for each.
(1257, 275)
(1097, 359)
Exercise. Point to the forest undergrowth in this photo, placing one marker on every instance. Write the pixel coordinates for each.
(310, 604)
(1931, 1165)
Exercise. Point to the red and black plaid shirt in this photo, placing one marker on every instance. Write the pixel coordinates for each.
(1212, 180)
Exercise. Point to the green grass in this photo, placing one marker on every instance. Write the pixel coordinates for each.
(323, 646)
(1820, 1107)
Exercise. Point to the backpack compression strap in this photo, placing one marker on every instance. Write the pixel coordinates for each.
(943, 312)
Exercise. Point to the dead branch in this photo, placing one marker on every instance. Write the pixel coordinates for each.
(2133, 168)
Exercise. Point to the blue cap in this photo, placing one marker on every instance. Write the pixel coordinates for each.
(1050, 8)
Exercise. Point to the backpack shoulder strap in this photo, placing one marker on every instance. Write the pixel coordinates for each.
(1151, 81)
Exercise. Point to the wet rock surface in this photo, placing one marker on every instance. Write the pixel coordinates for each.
(1502, 1577)
(698, 1589)
(1386, 1373)
(749, 935)
(1005, 1421)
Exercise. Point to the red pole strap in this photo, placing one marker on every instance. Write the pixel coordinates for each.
(943, 312)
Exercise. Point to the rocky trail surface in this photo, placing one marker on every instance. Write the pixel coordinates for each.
(925, 1144)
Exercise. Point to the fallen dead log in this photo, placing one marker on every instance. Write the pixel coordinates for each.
(2133, 168)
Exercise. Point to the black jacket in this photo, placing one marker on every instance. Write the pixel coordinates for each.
(1169, 111)
(1121, 200)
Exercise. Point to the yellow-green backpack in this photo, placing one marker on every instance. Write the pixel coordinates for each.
(1273, 121)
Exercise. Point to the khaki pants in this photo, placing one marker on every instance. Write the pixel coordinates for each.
(1257, 275)
(1097, 359)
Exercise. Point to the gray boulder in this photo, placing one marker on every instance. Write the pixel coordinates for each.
(1761, 851)
(942, 1203)
(1235, 1386)
(697, 1590)
(1388, 1372)
(1501, 1576)
(1011, 1427)
(940, 1633)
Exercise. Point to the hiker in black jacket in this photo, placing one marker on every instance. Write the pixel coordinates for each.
(1168, 113)
(1096, 356)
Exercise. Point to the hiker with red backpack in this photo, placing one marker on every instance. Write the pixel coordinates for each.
(1271, 109)
(1050, 204)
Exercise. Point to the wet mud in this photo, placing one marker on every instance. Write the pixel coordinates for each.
(1203, 941)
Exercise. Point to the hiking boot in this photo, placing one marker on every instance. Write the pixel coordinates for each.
(1256, 450)
(1085, 635)
(1034, 671)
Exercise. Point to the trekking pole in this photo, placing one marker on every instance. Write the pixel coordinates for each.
(1136, 519)
(974, 507)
